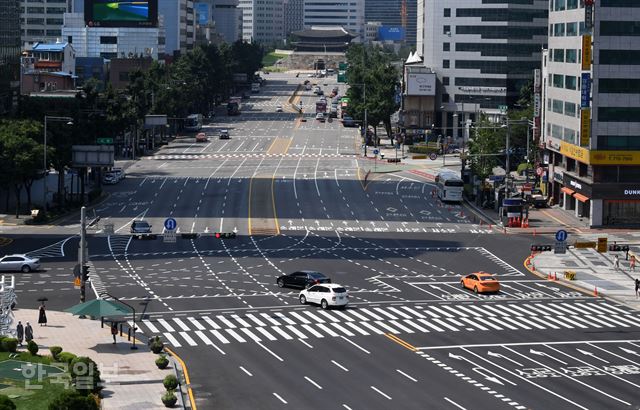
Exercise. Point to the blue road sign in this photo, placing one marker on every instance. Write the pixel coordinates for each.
(170, 224)
(561, 235)
(376, 152)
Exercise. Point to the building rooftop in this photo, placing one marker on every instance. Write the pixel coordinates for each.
(324, 32)
(49, 46)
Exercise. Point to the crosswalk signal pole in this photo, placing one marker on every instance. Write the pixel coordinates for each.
(83, 248)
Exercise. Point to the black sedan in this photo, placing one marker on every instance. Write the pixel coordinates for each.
(302, 279)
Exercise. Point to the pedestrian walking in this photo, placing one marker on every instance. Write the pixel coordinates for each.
(616, 262)
(20, 330)
(637, 288)
(632, 263)
(114, 331)
(42, 315)
(28, 333)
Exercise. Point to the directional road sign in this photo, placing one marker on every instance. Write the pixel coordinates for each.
(104, 141)
(376, 152)
(561, 235)
(560, 247)
(170, 224)
(433, 156)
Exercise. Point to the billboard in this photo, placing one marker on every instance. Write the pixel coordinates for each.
(202, 13)
(121, 13)
(387, 33)
(421, 84)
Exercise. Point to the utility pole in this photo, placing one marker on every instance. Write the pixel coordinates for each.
(83, 253)
(506, 186)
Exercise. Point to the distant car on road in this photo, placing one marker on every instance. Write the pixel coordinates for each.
(302, 279)
(278, 108)
(19, 263)
(480, 282)
(140, 226)
(348, 121)
(326, 295)
(119, 173)
(320, 117)
(201, 137)
(110, 178)
(224, 135)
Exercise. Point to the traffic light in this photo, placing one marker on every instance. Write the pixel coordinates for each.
(85, 273)
(540, 248)
(225, 235)
(618, 248)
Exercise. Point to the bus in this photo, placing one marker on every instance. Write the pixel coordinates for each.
(450, 187)
(193, 123)
(233, 107)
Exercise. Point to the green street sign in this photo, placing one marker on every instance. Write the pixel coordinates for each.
(105, 141)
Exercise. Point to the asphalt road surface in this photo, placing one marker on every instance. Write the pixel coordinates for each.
(411, 337)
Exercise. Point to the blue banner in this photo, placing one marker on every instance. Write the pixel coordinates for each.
(386, 33)
(202, 13)
(585, 90)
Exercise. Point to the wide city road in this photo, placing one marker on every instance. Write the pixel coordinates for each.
(411, 337)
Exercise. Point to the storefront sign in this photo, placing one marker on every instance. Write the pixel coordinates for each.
(617, 191)
(557, 176)
(588, 14)
(586, 52)
(585, 91)
(575, 152)
(585, 126)
(577, 185)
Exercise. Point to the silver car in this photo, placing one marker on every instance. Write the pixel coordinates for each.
(22, 263)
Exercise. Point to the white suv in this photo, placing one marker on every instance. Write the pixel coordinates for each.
(326, 295)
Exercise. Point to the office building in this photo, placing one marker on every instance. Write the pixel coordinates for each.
(113, 42)
(221, 20)
(590, 110)
(42, 20)
(293, 16)
(179, 25)
(482, 53)
(10, 46)
(262, 21)
(394, 14)
(328, 13)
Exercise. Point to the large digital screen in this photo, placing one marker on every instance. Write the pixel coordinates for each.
(386, 33)
(121, 13)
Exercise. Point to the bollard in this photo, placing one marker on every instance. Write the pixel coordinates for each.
(128, 334)
(101, 322)
(120, 329)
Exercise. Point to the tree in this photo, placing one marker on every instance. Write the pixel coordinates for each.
(72, 400)
(6, 403)
(487, 141)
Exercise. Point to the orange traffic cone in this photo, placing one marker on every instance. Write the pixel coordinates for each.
(595, 291)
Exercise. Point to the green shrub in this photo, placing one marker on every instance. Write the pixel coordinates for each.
(32, 347)
(66, 357)
(72, 400)
(422, 149)
(170, 382)
(156, 345)
(2, 349)
(162, 362)
(6, 403)
(169, 399)
(55, 351)
(85, 375)
(9, 344)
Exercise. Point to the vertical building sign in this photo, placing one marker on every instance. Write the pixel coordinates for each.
(537, 98)
(585, 91)
(585, 127)
(588, 15)
(586, 52)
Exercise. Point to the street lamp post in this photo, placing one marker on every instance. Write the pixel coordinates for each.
(45, 190)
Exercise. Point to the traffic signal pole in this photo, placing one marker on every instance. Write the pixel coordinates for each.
(83, 254)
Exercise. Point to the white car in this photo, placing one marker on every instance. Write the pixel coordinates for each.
(325, 295)
(278, 108)
(22, 263)
(110, 178)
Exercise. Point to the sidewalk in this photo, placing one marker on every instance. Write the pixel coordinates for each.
(594, 272)
(131, 378)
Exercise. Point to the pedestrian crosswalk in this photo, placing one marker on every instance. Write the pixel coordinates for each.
(307, 322)
(255, 155)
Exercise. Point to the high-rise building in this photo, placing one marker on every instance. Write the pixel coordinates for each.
(293, 16)
(221, 18)
(590, 110)
(482, 52)
(10, 47)
(262, 21)
(348, 14)
(394, 13)
(179, 25)
(42, 20)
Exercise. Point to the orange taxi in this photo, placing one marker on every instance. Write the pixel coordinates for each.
(480, 282)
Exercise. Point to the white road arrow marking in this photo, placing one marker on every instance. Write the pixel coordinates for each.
(587, 353)
(492, 354)
(486, 373)
(290, 221)
(539, 353)
(490, 378)
(629, 351)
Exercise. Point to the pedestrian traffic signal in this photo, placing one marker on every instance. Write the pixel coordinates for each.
(225, 235)
(541, 248)
(618, 248)
(85, 273)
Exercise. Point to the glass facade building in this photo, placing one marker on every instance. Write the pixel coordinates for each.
(390, 14)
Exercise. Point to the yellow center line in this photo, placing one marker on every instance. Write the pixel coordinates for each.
(401, 342)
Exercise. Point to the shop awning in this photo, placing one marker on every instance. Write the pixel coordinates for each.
(567, 191)
(580, 197)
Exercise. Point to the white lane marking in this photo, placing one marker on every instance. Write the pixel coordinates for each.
(339, 327)
(406, 375)
(346, 407)
(255, 319)
(401, 327)
(195, 322)
(241, 321)
(296, 332)
(150, 326)
(166, 325)
(270, 352)
(387, 327)
(282, 333)
(432, 326)
(312, 382)
(235, 335)
(172, 340)
(211, 322)
(246, 371)
(313, 331)
(188, 338)
(381, 392)
(314, 317)
(372, 328)
(305, 343)
(266, 334)
(280, 398)
(356, 345)
(270, 319)
(203, 337)
(284, 318)
(415, 325)
(226, 321)
(454, 403)
(339, 365)
(219, 336)
(181, 324)
(357, 329)
(250, 334)
(299, 317)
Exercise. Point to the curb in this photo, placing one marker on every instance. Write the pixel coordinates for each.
(187, 379)
(528, 264)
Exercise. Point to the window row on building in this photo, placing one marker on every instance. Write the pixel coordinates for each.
(563, 107)
(569, 55)
(571, 29)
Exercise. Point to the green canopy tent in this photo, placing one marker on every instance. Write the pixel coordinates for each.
(98, 308)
